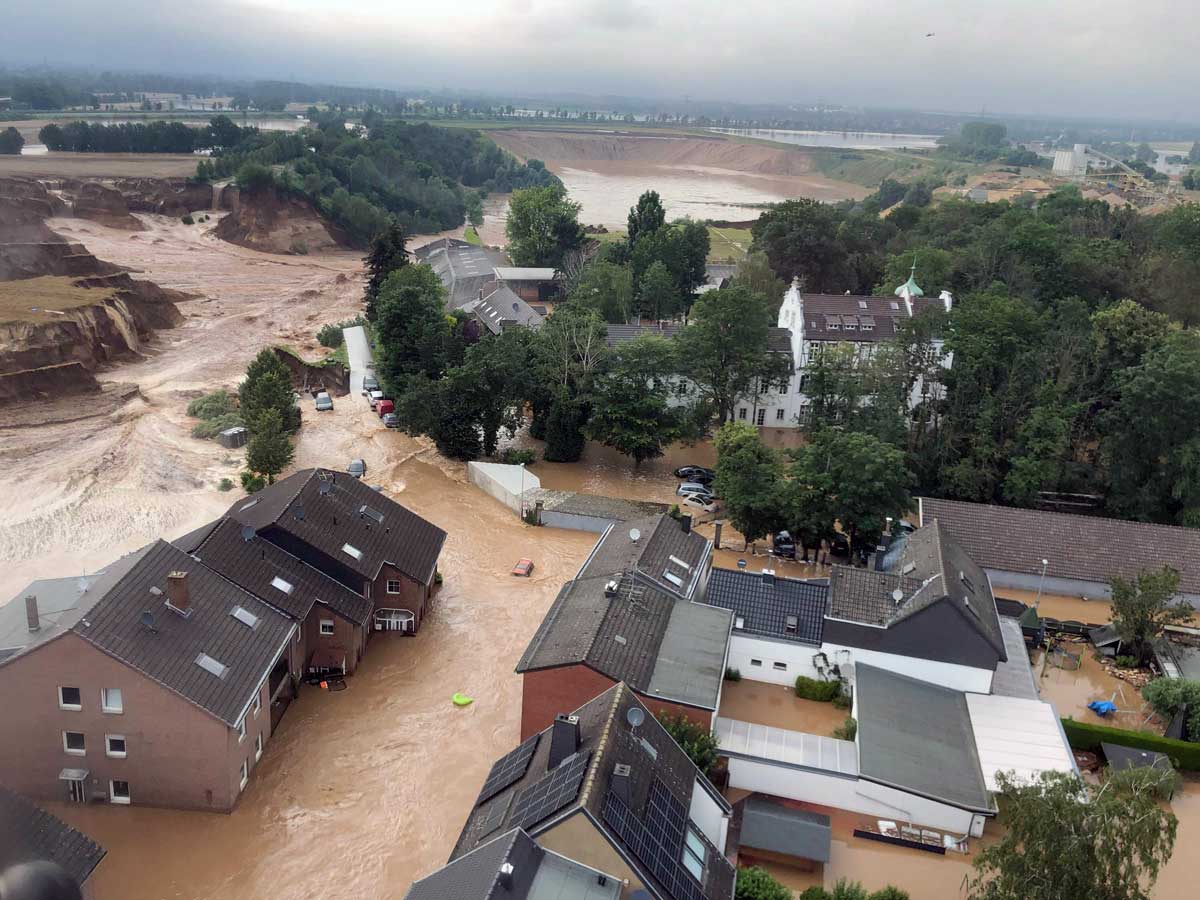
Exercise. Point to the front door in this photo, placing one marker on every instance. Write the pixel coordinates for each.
(76, 790)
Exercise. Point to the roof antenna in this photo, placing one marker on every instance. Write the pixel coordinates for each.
(326, 487)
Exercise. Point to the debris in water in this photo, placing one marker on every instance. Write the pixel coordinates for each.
(461, 699)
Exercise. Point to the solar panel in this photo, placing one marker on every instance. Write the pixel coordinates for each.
(552, 793)
(507, 769)
(654, 841)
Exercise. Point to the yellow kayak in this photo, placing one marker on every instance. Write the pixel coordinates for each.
(461, 699)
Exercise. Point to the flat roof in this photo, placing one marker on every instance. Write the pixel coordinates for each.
(1014, 676)
(691, 658)
(525, 273)
(776, 828)
(794, 748)
(1019, 736)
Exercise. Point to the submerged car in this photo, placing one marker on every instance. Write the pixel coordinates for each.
(324, 402)
(523, 567)
(693, 487)
(357, 468)
(702, 502)
(691, 472)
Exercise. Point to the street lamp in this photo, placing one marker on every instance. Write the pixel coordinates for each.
(1041, 582)
(522, 497)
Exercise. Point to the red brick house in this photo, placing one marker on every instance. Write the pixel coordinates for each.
(628, 617)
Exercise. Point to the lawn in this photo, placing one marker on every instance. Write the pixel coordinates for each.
(725, 245)
(471, 236)
(41, 299)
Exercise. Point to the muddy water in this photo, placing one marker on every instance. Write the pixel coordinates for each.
(778, 706)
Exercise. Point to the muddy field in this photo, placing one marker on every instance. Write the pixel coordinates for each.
(100, 165)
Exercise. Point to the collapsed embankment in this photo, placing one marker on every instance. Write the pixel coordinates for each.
(271, 222)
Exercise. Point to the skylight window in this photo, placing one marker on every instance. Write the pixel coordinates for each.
(285, 586)
(212, 666)
(679, 562)
(247, 618)
(791, 624)
(739, 623)
(246, 506)
(673, 578)
(862, 304)
(372, 514)
(351, 550)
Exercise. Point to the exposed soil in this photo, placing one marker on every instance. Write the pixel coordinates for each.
(264, 220)
(100, 165)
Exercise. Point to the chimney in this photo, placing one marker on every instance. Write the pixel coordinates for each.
(564, 739)
(31, 613)
(947, 300)
(685, 523)
(505, 877)
(768, 576)
(620, 784)
(177, 592)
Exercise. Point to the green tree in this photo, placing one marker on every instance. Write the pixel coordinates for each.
(724, 350)
(387, 254)
(755, 272)
(270, 449)
(646, 217)
(268, 387)
(607, 290)
(543, 226)
(631, 407)
(252, 177)
(411, 326)
(1064, 838)
(1144, 606)
(697, 742)
(11, 142)
(564, 429)
(754, 883)
(749, 481)
(1145, 153)
(800, 239)
(1194, 154)
(657, 294)
(1167, 696)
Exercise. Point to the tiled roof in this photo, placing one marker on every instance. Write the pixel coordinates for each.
(167, 651)
(464, 269)
(502, 308)
(866, 596)
(826, 316)
(329, 521)
(255, 564)
(662, 547)
(767, 605)
(1088, 548)
(28, 833)
(779, 340)
(476, 874)
(917, 736)
(655, 763)
(619, 334)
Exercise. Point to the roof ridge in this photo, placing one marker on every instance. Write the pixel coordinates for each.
(601, 745)
(303, 483)
(512, 840)
(1066, 515)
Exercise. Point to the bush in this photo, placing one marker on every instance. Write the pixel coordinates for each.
(732, 674)
(225, 484)
(822, 691)
(697, 742)
(1184, 755)
(847, 730)
(188, 220)
(1126, 662)
(252, 483)
(1167, 696)
(210, 428)
(842, 701)
(299, 248)
(514, 457)
(210, 406)
(331, 335)
(754, 883)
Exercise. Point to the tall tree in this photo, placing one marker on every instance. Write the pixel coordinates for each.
(724, 349)
(1144, 606)
(755, 273)
(1065, 838)
(411, 326)
(564, 428)
(270, 449)
(658, 297)
(387, 254)
(268, 387)
(607, 290)
(543, 226)
(800, 240)
(646, 217)
(11, 142)
(749, 481)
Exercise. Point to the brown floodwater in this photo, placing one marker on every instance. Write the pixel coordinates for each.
(778, 706)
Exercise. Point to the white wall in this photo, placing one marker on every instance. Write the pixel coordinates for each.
(798, 658)
(503, 482)
(709, 816)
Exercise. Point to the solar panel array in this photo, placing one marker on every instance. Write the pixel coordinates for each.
(507, 769)
(547, 796)
(658, 840)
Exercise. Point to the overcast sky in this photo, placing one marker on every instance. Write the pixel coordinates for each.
(1110, 58)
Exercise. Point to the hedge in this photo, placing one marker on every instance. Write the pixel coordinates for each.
(811, 689)
(1085, 736)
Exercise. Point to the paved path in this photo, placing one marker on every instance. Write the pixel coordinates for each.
(359, 354)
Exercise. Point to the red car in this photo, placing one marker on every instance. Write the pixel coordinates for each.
(523, 568)
(383, 407)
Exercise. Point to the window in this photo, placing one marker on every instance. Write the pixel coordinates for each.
(110, 700)
(73, 743)
(673, 578)
(742, 413)
(862, 304)
(779, 415)
(241, 728)
(739, 623)
(761, 417)
(245, 774)
(279, 584)
(393, 586)
(118, 792)
(211, 666)
(779, 666)
(247, 618)
(69, 698)
(327, 626)
(695, 854)
(351, 550)
(114, 745)
(803, 383)
(258, 746)
(257, 707)
(790, 624)
(756, 662)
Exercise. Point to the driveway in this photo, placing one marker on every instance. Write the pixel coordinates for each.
(359, 354)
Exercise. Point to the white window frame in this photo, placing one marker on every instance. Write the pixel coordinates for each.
(689, 853)
(71, 750)
(779, 415)
(104, 698)
(741, 412)
(241, 729)
(76, 707)
(396, 582)
(328, 622)
(245, 774)
(257, 705)
(110, 752)
(760, 418)
(258, 746)
(112, 792)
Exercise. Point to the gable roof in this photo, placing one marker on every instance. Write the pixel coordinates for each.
(1088, 548)
(476, 875)
(659, 774)
(771, 826)
(502, 308)
(619, 334)
(826, 315)
(28, 833)
(255, 564)
(917, 736)
(662, 547)
(464, 269)
(329, 521)
(168, 654)
(763, 605)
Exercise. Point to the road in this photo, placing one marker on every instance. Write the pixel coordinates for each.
(358, 351)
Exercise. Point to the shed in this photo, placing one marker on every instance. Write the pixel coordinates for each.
(234, 437)
(779, 830)
(1121, 757)
(1106, 640)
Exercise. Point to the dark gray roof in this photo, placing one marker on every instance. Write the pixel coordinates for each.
(866, 596)
(607, 741)
(660, 538)
(1088, 548)
(823, 310)
(502, 308)
(618, 509)
(28, 833)
(329, 521)
(1121, 757)
(193, 539)
(464, 269)
(168, 654)
(254, 564)
(476, 874)
(779, 340)
(771, 826)
(619, 334)
(1014, 675)
(764, 605)
(917, 736)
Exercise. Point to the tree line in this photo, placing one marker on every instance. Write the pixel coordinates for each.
(142, 137)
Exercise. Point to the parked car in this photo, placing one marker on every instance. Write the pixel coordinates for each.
(385, 406)
(523, 568)
(693, 487)
(373, 397)
(370, 383)
(324, 402)
(783, 544)
(702, 502)
(690, 472)
(907, 527)
(391, 420)
(357, 468)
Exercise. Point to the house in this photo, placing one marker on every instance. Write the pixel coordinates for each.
(929, 614)
(503, 309)
(533, 284)
(156, 682)
(629, 616)
(28, 834)
(464, 269)
(355, 535)
(606, 786)
(1080, 553)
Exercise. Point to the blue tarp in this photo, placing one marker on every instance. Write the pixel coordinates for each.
(1102, 707)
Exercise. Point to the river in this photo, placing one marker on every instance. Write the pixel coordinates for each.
(844, 140)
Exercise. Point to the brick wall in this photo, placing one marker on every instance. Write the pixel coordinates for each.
(413, 596)
(547, 692)
(346, 636)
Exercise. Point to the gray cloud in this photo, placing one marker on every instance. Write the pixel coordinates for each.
(1070, 57)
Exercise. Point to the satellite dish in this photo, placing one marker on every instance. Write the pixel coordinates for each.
(247, 533)
(299, 513)
(635, 535)
(741, 564)
(636, 716)
(897, 595)
(148, 620)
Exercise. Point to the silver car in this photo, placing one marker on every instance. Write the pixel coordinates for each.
(324, 402)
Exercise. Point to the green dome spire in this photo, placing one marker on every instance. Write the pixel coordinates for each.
(910, 287)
